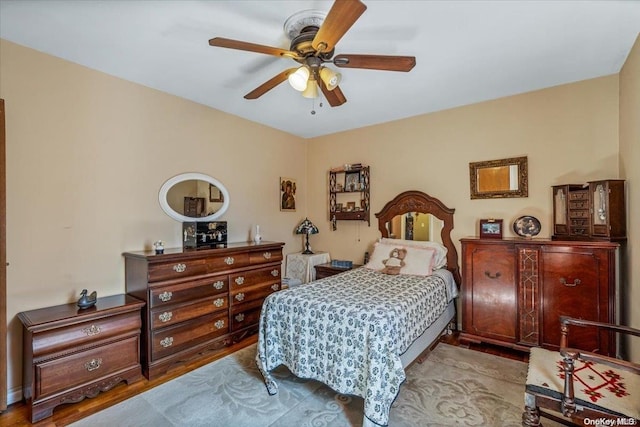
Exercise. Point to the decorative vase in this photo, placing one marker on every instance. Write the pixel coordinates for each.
(257, 237)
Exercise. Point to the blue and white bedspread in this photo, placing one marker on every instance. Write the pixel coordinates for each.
(349, 330)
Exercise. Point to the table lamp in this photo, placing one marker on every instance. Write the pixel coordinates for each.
(306, 227)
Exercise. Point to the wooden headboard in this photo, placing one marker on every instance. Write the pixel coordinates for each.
(417, 201)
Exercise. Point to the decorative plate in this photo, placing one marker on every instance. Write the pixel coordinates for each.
(526, 226)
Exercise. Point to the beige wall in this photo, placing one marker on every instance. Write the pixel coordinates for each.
(86, 156)
(87, 153)
(569, 134)
(630, 170)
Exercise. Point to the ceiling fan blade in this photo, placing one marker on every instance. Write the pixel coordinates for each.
(376, 62)
(343, 14)
(251, 47)
(269, 84)
(334, 97)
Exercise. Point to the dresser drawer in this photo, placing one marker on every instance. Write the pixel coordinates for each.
(250, 278)
(188, 291)
(175, 270)
(58, 339)
(249, 315)
(226, 262)
(84, 367)
(578, 195)
(161, 317)
(579, 214)
(198, 266)
(243, 296)
(265, 256)
(184, 335)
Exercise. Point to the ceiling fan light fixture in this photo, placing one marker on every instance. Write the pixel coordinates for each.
(311, 90)
(298, 79)
(330, 78)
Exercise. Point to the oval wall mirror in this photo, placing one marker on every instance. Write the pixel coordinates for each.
(193, 197)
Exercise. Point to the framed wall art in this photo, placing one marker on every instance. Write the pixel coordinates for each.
(491, 229)
(215, 195)
(287, 194)
(352, 181)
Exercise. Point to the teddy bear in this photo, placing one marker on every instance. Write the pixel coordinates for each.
(395, 262)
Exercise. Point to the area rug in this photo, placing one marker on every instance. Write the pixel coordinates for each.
(453, 386)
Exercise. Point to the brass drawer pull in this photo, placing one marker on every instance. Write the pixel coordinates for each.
(563, 281)
(91, 330)
(93, 364)
(239, 317)
(229, 260)
(165, 296)
(275, 273)
(219, 284)
(490, 276)
(267, 255)
(275, 286)
(239, 280)
(240, 296)
(219, 324)
(166, 342)
(166, 316)
(179, 268)
(218, 302)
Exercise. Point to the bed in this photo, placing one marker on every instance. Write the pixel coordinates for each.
(357, 331)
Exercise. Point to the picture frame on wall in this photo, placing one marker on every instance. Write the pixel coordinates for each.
(352, 181)
(287, 194)
(491, 228)
(215, 195)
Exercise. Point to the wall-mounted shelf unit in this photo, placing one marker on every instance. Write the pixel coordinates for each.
(349, 194)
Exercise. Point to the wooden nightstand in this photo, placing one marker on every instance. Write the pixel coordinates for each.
(326, 270)
(70, 354)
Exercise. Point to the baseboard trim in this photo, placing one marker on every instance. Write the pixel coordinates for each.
(14, 395)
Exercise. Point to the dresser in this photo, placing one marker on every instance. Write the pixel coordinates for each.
(70, 354)
(514, 291)
(200, 301)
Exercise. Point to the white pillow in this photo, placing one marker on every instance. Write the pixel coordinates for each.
(417, 261)
(380, 252)
(440, 257)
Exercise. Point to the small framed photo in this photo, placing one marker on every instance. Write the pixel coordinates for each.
(338, 207)
(351, 206)
(491, 229)
(352, 181)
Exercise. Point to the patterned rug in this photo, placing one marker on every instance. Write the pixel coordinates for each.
(453, 386)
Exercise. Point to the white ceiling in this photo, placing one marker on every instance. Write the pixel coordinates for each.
(466, 51)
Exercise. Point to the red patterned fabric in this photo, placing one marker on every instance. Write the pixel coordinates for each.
(594, 381)
(615, 390)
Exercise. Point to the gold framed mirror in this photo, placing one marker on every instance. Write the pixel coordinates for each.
(493, 179)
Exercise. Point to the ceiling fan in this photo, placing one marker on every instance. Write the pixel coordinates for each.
(313, 39)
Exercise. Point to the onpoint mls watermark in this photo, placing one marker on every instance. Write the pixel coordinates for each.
(622, 421)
